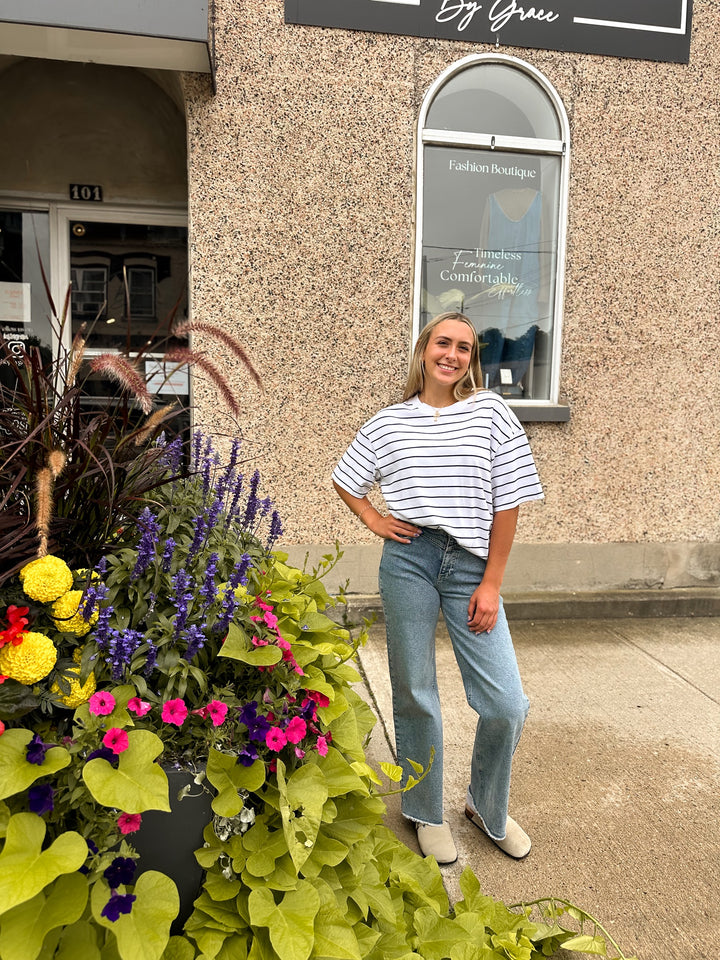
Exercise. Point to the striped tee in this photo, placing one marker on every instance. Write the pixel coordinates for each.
(451, 474)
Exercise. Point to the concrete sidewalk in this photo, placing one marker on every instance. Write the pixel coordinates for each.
(616, 779)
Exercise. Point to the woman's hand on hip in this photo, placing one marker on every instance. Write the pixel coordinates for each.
(483, 609)
(390, 528)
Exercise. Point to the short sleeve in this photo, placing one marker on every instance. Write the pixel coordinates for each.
(515, 478)
(356, 471)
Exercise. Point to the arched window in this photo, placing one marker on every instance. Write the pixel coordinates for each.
(492, 185)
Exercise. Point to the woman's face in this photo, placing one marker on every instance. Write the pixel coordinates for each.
(447, 355)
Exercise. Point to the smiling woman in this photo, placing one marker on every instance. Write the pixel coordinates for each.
(454, 466)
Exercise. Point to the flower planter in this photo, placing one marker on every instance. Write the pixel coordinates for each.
(167, 841)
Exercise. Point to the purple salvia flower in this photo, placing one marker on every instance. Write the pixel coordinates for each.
(236, 494)
(276, 530)
(151, 658)
(173, 455)
(195, 640)
(265, 506)
(206, 466)
(168, 554)
(198, 537)
(94, 595)
(148, 543)
(196, 449)
(182, 582)
(102, 627)
(251, 507)
(230, 601)
(213, 515)
(229, 471)
(101, 567)
(121, 648)
(208, 591)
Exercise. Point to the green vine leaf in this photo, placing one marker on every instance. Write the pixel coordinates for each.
(587, 944)
(25, 868)
(142, 934)
(16, 773)
(291, 922)
(302, 798)
(138, 784)
(230, 777)
(25, 927)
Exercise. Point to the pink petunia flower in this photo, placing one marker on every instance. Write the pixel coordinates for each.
(322, 746)
(217, 711)
(296, 730)
(174, 711)
(271, 620)
(263, 606)
(138, 706)
(101, 703)
(129, 822)
(275, 739)
(299, 753)
(116, 739)
(259, 642)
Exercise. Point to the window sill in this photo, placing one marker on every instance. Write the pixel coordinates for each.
(539, 412)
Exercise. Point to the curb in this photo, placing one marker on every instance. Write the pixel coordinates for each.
(591, 605)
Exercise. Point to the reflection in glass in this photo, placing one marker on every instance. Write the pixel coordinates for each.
(494, 99)
(490, 243)
(129, 290)
(24, 305)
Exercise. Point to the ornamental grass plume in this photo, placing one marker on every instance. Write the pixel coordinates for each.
(124, 372)
(101, 456)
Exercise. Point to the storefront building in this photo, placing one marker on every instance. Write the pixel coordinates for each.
(320, 178)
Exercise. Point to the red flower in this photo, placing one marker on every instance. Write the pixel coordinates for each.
(217, 711)
(174, 711)
(101, 703)
(296, 730)
(129, 822)
(275, 739)
(116, 740)
(138, 706)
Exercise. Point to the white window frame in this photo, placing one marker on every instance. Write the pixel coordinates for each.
(528, 409)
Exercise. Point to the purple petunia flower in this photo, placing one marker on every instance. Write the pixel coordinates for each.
(117, 904)
(41, 798)
(36, 750)
(104, 753)
(120, 871)
(248, 755)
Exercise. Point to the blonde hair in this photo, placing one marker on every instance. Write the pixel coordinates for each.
(416, 375)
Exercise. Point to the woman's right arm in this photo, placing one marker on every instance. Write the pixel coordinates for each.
(387, 527)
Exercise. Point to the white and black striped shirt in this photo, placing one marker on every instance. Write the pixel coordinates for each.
(452, 473)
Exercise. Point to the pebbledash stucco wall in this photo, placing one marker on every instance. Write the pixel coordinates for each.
(301, 196)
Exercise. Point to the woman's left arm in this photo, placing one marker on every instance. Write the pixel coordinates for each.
(485, 601)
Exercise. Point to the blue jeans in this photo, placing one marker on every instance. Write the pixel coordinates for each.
(417, 580)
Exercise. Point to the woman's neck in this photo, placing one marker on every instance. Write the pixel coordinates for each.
(435, 397)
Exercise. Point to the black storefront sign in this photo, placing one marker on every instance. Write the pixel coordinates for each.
(635, 29)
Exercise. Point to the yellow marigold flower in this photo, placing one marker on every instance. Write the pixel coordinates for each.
(67, 614)
(31, 660)
(79, 693)
(46, 579)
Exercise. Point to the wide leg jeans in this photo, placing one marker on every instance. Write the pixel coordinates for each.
(417, 581)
